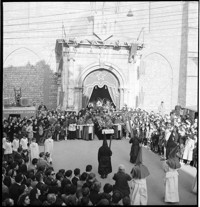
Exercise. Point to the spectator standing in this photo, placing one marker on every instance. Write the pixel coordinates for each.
(40, 132)
(72, 127)
(24, 142)
(36, 130)
(30, 131)
(161, 109)
(42, 161)
(188, 151)
(121, 181)
(15, 144)
(8, 153)
(48, 146)
(34, 150)
(3, 143)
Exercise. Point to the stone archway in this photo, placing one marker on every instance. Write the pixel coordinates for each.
(101, 78)
(112, 71)
(157, 68)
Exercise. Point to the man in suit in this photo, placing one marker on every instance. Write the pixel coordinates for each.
(15, 189)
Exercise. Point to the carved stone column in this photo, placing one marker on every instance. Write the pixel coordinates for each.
(59, 89)
(125, 96)
(78, 98)
(121, 104)
(70, 77)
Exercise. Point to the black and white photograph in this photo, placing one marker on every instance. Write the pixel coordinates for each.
(100, 103)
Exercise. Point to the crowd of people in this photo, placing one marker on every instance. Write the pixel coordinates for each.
(28, 177)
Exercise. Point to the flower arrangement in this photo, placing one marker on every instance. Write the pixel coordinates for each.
(105, 122)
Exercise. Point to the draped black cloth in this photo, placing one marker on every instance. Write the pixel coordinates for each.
(104, 159)
(171, 144)
(134, 148)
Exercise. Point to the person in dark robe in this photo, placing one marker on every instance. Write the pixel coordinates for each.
(72, 127)
(104, 159)
(171, 143)
(134, 148)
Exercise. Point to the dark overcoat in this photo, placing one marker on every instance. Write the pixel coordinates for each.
(104, 159)
(134, 148)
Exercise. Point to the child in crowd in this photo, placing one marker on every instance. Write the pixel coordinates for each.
(76, 178)
(88, 169)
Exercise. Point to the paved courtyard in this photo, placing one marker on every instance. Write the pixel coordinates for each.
(71, 154)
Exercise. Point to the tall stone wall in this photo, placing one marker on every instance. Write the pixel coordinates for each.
(37, 83)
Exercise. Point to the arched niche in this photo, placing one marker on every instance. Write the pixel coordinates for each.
(156, 82)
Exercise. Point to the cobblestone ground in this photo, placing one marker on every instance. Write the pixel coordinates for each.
(71, 154)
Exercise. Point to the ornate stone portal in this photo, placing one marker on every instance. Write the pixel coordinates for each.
(88, 63)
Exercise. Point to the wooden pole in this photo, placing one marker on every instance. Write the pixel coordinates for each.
(110, 140)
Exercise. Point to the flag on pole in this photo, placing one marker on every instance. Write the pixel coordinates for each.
(110, 140)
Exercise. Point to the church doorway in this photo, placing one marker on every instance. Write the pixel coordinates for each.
(101, 96)
(101, 86)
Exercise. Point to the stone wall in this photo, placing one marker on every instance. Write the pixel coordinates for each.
(37, 83)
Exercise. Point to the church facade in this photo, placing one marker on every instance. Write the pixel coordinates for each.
(103, 63)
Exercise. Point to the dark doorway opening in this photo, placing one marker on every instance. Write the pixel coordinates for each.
(100, 94)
